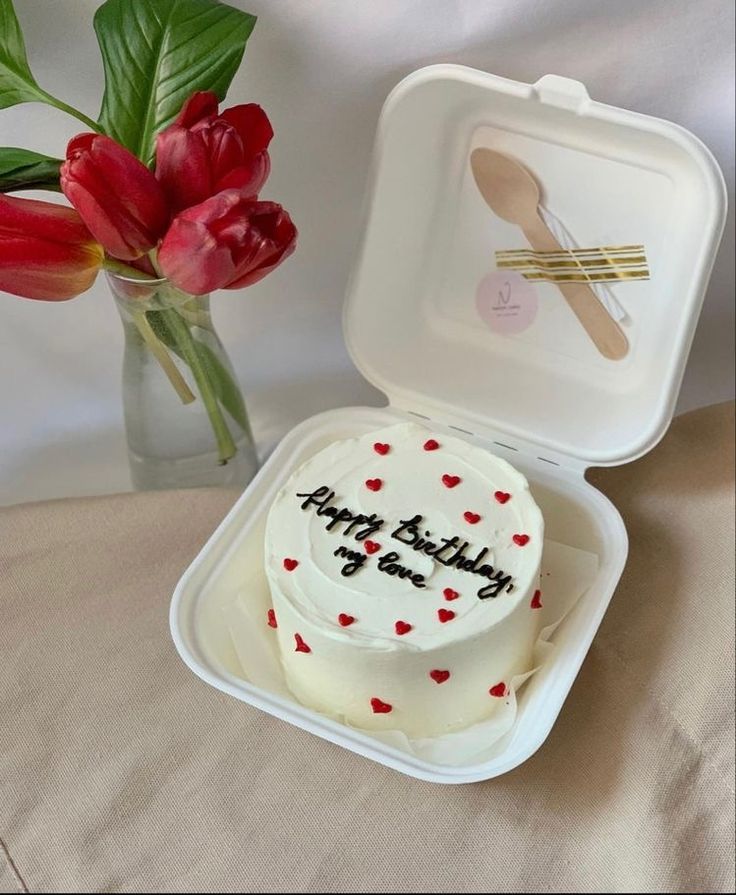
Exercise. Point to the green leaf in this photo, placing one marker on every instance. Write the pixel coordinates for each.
(17, 84)
(157, 319)
(156, 53)
(227, 390)
(224, 386)
(21, 169)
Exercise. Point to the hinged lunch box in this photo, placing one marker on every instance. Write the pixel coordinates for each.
(426, 320)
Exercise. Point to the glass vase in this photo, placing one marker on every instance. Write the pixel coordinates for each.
(185, 418)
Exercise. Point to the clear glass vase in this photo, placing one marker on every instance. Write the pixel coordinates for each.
(185, 418)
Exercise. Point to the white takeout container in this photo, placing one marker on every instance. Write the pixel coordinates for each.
(543, 398)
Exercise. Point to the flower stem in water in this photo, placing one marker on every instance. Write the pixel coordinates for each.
(181, 334)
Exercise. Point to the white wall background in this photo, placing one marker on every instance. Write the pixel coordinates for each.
(322, 69)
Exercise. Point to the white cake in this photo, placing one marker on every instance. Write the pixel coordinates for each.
(404, 574)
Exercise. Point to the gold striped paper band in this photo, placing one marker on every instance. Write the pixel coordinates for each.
(603, 264)
(595, 264)
(566, 253)
(610, 277)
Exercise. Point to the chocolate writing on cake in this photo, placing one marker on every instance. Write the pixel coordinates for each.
(452, 552)
(360, 526)
(363, 525)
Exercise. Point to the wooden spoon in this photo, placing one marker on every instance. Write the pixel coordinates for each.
(513, 194)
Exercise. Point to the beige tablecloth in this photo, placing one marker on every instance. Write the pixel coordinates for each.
(121, 771)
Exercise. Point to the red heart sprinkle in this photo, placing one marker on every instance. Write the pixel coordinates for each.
(371, 547)
(502, 496)
(498, 690)
(380, 707)
(431, 445)
(290, 564)
(301, 646)
(521, 540)
(381, 448)
(374, 484)
(271, 619)
(537, 600)
(445, 615)
(449, 481)
(438, 676)
(472, 518)
(450, 594)
(345, 620)
(402, 627)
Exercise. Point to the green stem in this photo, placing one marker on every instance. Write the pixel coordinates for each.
(196, 317)
(186, 348)
(179, 330)
(158, 350)
(125, 270)
(70, 110)
(155, 345)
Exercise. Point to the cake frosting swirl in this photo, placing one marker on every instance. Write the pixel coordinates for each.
(404, 573)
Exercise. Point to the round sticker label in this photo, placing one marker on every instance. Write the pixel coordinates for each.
(506, 301)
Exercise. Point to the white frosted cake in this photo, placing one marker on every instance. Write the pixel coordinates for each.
(404, 574)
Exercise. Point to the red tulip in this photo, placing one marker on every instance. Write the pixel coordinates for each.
(118, 198)
(227, 242)
(46, 252)
(203, 152)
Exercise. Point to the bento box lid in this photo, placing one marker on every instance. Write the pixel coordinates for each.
(461, 309)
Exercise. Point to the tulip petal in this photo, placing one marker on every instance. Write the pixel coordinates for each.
(204, 153)
(193, 260)
(49, 273)
(200, 105)
(46, 220)
(141, 196)
(105, 228)
(46, 252)
(275, 249)
(228, 241)
(224, 147)
(119, 199)
(252, 125)
(248, 179)
(182, 167)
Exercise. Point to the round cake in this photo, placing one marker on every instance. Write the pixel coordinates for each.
(404, 574)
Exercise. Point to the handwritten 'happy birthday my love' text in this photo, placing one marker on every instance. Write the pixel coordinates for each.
(451, 552)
